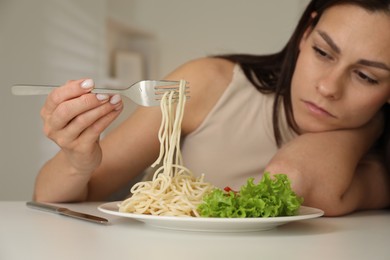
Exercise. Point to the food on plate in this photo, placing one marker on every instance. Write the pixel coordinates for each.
(175, 191)
(271, 197)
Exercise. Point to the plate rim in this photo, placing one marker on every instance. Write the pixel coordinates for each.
(105, 207)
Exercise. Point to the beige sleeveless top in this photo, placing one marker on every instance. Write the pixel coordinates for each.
(236, 139)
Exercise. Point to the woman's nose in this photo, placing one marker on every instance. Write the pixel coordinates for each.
(331, 86)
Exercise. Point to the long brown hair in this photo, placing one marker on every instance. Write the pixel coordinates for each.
(273, 73)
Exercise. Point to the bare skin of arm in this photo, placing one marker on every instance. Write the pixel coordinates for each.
(334, 171)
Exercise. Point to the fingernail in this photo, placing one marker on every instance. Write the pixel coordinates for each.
(115, 99)
(88, 83)
(102, 97)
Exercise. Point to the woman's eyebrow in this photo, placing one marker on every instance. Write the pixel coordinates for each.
(335, 48)
(329, 41)
(376, 64)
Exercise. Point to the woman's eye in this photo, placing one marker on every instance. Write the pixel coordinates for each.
(366, 78)
(321, 53)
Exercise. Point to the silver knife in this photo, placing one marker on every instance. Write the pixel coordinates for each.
(66, 212)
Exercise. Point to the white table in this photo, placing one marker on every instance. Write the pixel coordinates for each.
(26, 233)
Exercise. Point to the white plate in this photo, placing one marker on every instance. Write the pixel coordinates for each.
(212, 224)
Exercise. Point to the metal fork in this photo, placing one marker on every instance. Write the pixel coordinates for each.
(145, 93)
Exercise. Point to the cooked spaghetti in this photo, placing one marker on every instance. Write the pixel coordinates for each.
(174, 190)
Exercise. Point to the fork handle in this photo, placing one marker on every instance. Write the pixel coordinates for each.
(46, 89)
(32, 89)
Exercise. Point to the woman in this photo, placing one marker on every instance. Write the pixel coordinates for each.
(320, 115)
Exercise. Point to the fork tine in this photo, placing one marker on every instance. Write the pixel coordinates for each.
(163, 89)
(161, 93)
(175, 94)
(165, 83)
(158, 98)
(162, 83)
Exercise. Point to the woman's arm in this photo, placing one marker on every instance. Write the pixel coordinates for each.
(89, 169)
(373, 180)
(73, 118)
(134, 146)
(328, 170)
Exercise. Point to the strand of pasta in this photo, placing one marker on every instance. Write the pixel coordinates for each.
(173, 190)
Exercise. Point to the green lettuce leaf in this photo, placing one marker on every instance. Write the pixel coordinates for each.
(271, 197)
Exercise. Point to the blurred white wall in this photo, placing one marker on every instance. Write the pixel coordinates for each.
(41, 42)
(51, 41)
(188, 29)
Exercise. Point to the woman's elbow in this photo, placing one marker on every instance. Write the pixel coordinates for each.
(316, 194)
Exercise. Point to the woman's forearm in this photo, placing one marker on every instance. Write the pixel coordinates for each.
(371, 184)
(323, 168)
(58, 182)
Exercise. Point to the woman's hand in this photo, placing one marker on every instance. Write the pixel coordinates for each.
(74, 118)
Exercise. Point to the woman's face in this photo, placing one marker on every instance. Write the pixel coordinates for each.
(342, 76)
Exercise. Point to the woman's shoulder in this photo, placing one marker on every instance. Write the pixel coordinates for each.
(208, 78)
(205, 70)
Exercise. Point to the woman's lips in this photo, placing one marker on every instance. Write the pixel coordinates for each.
(317, 110)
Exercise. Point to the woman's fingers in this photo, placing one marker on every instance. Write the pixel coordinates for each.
(89, 124)
(72, 89)
(94, 130)
(74, 108)
(71, 109)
